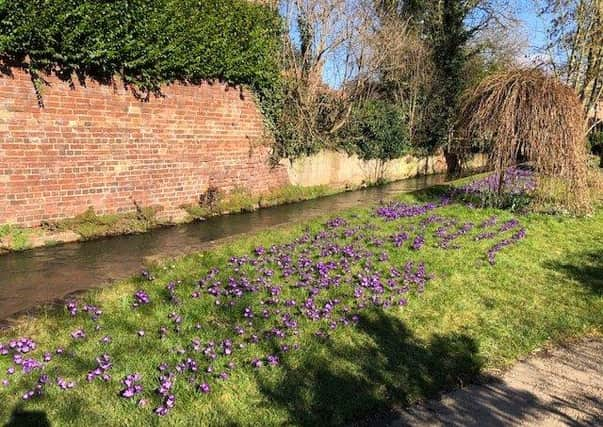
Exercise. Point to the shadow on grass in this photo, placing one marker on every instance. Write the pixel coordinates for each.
(432, 194)
(585, 268)
(21, 417)
(348, 382)
(373, 382)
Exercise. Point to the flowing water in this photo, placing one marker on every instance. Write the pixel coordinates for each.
(31, 278)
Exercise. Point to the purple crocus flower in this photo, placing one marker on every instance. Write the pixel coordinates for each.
(78, 334)
(399, 239)
(65, 384)
(132, 388)
(168, 403)
(71, 307)
(256, 363)
(273, 360)
(204, 388)
(418, 243)
(103, 365)
(141, 298)
(29, 365)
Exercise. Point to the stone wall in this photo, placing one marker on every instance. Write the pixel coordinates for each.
(338, 169)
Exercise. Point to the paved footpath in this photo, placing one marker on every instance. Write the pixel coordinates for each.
(559, 387)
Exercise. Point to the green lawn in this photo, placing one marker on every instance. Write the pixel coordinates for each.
(470, 318)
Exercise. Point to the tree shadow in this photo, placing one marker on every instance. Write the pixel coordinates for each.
(21, 417)
(562, 391)
(501, 405)
(343, 383)
(585, 268)
(372, 381)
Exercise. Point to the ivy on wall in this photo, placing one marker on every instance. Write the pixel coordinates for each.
(149, 42)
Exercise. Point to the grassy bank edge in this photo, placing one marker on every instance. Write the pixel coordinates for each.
(90, 226)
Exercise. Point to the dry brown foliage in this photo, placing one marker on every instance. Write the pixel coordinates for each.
(524, 113)
(405, 68)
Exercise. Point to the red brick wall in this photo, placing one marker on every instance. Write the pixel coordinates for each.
(97, 145)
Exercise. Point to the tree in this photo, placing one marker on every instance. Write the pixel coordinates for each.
(525, 112)
(575, 49)
(405, 72)
(449, 27)
(339, 54)
(322, 34)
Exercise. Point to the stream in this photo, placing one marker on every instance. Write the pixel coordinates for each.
(38, 276)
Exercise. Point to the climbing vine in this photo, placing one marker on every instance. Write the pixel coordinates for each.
(148, 42)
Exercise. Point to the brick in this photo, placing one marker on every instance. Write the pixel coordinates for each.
(98, 146)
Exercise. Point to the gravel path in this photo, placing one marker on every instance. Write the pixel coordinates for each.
(559, 387)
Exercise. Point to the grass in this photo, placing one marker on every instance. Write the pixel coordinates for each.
(89, 225)
(472, 317)
(16, 238)
(242, 200)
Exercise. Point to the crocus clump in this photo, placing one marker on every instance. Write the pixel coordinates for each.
(65, 384)
(418, 242)
(132, 386)
(515, 181)
(516, 237)
(398, 210)
(103, 365)
(141, 298)
(71, 307)
(20, 345)
(514, 191)
(78, 334)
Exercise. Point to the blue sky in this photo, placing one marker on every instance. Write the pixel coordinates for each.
(533, 24)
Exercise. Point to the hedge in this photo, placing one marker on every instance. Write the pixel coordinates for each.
(148, 42)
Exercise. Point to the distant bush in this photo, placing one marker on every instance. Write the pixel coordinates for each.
(377, 130)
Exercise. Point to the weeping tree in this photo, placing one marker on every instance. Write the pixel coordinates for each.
(525, 114)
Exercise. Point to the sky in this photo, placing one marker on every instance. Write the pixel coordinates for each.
(533, 25)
